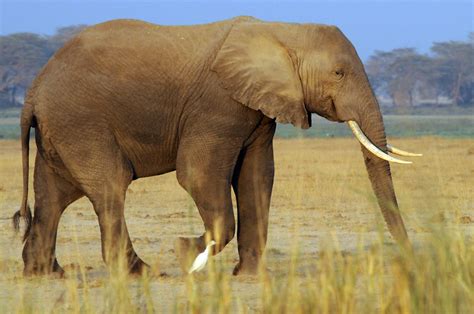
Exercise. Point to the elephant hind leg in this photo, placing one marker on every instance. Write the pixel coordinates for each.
(52, 195)
(103, 173)
(105, 184)
(117, 249)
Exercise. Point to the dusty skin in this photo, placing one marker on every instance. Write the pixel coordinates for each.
(321, 193)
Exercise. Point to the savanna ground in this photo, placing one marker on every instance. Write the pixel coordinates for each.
(328, 249)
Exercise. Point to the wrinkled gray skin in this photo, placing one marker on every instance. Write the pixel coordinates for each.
(127, 99)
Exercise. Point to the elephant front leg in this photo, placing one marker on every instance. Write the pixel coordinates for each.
(253, 182)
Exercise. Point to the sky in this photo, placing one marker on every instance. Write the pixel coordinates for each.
(370, 24)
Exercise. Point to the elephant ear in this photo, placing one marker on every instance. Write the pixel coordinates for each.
(259, 72)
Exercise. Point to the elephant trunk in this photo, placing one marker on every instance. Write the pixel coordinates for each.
(379, 173)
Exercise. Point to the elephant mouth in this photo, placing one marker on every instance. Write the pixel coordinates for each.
(365, 141)
(334, 116)
(325, 108)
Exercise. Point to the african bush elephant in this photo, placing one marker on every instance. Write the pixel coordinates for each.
(127, 99)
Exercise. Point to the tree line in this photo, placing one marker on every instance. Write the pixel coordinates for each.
(401, 78)
(405, 78)
(22, 55)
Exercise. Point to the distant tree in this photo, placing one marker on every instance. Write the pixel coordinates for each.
(378, 71)
(403, 74)
(22, 55)
(455, 70)
(398, 74)
(409, 73)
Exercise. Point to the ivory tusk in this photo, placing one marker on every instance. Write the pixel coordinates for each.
(370, 146)
(400, 152)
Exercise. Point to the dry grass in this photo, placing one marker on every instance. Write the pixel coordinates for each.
(328, 250)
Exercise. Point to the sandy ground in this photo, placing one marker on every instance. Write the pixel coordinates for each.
(321, 192)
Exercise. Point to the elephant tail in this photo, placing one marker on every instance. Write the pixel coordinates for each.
(27, 120)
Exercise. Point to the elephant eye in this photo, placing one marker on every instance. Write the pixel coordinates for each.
(339, 74)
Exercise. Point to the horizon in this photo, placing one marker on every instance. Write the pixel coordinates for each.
(370, 25)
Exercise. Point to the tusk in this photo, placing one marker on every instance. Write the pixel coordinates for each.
(370, 146)
(400, 152)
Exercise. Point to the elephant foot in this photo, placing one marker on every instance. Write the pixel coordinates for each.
(186, 250)
(245, 269)
(138, 267)
(57, 269)
(249, 263)
(35, 269)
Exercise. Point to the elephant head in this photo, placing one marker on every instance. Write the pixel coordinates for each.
(288, 71)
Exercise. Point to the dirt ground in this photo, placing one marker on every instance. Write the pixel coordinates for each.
(321, 193)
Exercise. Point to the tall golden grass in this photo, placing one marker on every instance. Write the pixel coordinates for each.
(328, 249)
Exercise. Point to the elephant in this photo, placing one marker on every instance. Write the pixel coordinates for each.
(127, 99)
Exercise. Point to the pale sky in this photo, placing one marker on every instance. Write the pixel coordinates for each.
(370, 24)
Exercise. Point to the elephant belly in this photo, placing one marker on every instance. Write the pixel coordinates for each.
(149, 144)
(149, 159)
